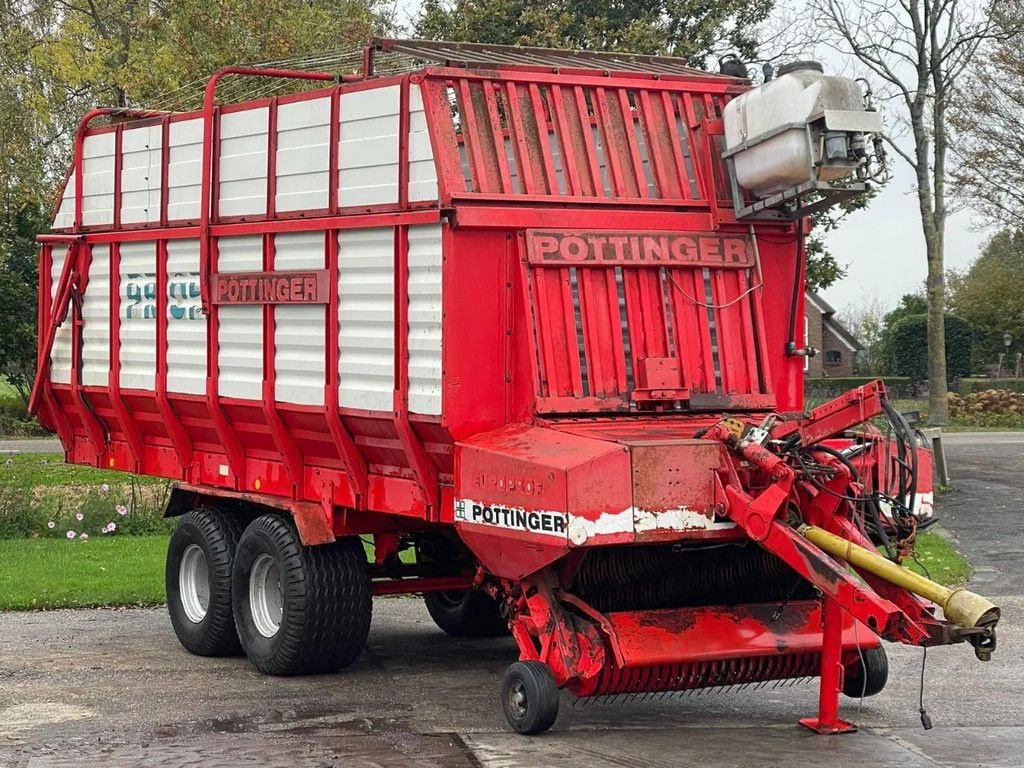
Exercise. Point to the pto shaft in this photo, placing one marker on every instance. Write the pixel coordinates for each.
(963, 608)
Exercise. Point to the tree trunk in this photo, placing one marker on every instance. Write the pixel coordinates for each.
(938, 407)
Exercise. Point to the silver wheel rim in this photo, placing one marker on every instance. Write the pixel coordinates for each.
(265, 599)
(517, 700)
(194, 583)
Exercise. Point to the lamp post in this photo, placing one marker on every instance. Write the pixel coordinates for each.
(1007, 341)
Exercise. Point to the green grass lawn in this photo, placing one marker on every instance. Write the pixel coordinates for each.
(129, 570)
(57, 573)
(38, 489)
(943, 562)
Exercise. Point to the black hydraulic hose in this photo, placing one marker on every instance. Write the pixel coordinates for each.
(801, 254)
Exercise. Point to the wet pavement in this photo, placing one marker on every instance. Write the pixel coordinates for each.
(984, 508)
(85, 689)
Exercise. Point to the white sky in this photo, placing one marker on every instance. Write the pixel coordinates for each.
(882, 247)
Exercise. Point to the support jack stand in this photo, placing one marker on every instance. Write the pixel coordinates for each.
(828, 722)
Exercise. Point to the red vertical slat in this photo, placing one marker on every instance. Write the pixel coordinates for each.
(689, 343)
(587, 125)
(471, 139)
(572, 347)
(611, 142)
(629, 135)
(704, 329)
(348, 451)
(332, 151)
(497, 136)
(165, 164)
(524, 157)
(549, 378)
(678, 161)
(634, 318)
(450, 179)
(179, 437)
(654, 135)
(730, 346)
(565, 143)
(741, 280)
(118, 167)
(544, 139)
(599, 328)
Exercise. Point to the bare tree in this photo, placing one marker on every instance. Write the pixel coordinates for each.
(987, 117)
(866, 321)
(917, 51)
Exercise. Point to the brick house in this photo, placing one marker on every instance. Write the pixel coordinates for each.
(837, 347)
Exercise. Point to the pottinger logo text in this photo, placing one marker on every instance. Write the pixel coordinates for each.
(638, 249)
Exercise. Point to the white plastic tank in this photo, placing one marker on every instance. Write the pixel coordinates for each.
(766, 128)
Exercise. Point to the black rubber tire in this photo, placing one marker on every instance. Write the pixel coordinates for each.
(326, 600)
(469, 613)
(217, 533)
(529, 697)
(877, 667)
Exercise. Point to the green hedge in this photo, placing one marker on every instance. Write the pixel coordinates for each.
(908, 343)
(899, 387)
(968, 386)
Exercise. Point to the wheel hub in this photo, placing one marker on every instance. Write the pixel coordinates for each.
(265, 598)
(194, 583)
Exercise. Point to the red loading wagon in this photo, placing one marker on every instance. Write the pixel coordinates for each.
(511, 311)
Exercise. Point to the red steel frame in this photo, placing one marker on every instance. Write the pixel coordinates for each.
(341, 470)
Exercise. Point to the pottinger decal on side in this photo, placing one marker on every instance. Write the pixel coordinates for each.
(624, 249)
(511, 518)
(292, 287)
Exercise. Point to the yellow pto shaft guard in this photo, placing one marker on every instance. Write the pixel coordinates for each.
(961, 607)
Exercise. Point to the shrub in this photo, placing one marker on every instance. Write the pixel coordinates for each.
(826, 389)
(908, 345)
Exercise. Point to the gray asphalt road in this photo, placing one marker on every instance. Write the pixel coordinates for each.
(984, 508)
(113, 688)
(44, 445)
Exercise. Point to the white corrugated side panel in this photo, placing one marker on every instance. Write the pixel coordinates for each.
(243, 162)
(138, 315)
(96, 317)
(299, 329)
(65, 216)
(425, 319)
(368, 147)
(60, 354)
(186, 324)
(98, 172)
(303, 158)
(422, 171)
(185, 168)
(366, 318)
(140, 174)
(241, 326)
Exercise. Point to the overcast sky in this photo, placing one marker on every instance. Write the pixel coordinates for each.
(882, 247)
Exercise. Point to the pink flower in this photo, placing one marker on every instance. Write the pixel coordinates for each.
(84, 537)
(122, 510)
(111, 526)
(71, 534)
(51, 525)
(79, 517)
(105, 488)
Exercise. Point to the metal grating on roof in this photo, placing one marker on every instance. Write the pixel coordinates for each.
(452, 54)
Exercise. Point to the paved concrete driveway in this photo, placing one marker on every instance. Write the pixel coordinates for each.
(984, 508)
(85, 689)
